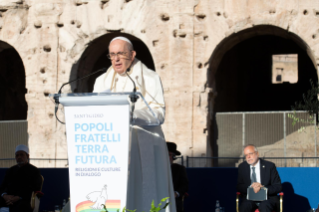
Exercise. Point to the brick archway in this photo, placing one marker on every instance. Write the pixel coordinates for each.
(235, 38)
(239, 74)
(13, 105)
(94, 58)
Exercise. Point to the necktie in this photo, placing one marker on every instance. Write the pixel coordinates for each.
(253, 176)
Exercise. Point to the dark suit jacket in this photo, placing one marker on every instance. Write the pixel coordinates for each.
(20, 181)
(180, 183)
(269, 178)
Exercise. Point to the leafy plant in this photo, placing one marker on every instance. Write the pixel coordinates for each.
(310, 101)
(296, 120)
(310, 104)
(158, 208)
(124, 210)
(104, 208)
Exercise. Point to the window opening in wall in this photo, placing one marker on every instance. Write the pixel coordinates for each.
(279, 74)
(285, 68)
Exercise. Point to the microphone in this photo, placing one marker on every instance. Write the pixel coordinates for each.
(56, 97)
(133, 96)
(100, 70)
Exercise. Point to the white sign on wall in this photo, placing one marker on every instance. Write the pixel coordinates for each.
(98, 148)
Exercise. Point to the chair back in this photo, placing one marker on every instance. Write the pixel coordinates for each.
(41, 183)
(35, 201)
(279, 207)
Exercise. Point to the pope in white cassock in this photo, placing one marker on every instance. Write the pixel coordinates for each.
(149, 169)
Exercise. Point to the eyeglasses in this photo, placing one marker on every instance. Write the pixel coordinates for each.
(119, 54)
(250, 154)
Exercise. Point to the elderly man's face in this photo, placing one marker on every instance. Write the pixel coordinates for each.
(124, 56)
(22, 158)
(251, 155)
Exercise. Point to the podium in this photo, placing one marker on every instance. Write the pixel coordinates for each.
(98, 139)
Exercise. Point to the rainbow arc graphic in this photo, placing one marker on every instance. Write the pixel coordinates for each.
(111, 206)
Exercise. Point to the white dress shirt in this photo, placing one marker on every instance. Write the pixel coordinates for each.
(257, 171)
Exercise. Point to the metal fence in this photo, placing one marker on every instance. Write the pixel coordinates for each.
(38, 162)
(12, 133)
(273, 133)
(185, 161)
(228, 161)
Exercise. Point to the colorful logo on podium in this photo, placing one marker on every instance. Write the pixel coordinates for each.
(96, 202)
(111, 206)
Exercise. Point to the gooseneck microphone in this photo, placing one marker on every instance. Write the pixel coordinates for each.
(56, 98)
(100, 70)
(133, 96)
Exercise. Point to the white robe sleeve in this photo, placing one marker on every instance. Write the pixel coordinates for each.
(154, 96)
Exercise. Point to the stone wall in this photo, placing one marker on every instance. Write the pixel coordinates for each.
(187, 39)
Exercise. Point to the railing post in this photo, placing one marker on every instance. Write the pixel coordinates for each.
(182, 158)
(285, 155)
(315, 126)
(187, 161)
(243, 130)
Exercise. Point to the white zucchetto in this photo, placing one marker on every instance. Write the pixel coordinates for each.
(22, 147)
(121, 38)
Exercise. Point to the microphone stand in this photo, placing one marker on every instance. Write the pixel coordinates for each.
(133, 96)
(56, 97)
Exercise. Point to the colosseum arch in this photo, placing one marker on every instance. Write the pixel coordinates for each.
(94, 58)
(240, 71)
(13, 105)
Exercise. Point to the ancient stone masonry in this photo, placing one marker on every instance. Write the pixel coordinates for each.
(185, 41)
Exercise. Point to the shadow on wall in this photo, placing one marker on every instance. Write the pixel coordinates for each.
(293, 201)
(95, 58)
(214, 139)
(206, 185)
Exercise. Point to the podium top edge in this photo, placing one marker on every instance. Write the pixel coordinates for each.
(91, 94)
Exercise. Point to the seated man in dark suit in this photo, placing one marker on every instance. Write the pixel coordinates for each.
(257, 173)
(19, 183)
(179, 176)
